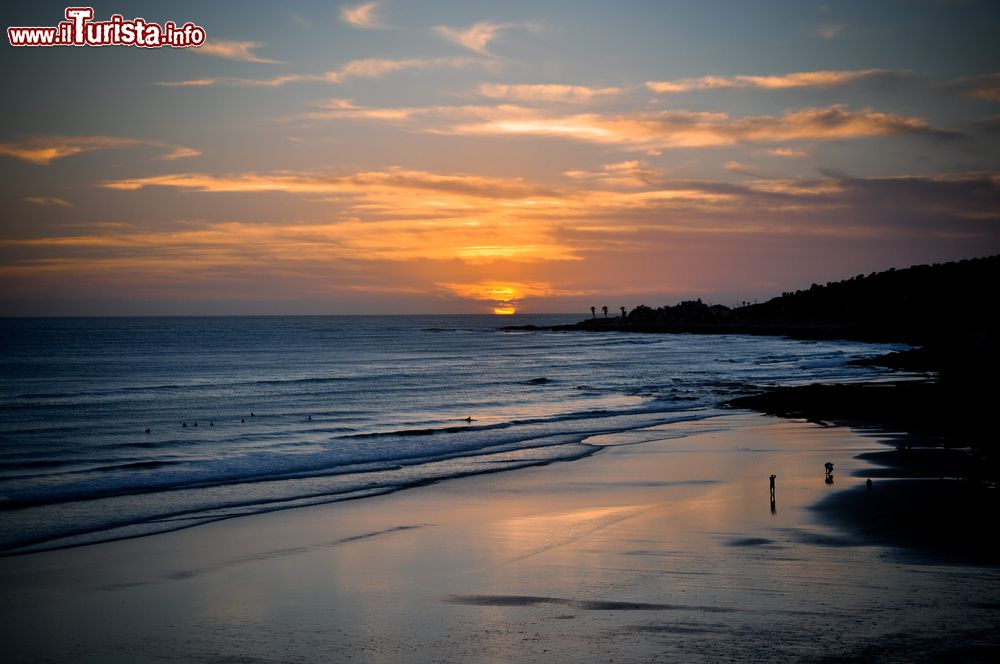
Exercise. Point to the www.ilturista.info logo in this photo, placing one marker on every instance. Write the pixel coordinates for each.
(80, 30)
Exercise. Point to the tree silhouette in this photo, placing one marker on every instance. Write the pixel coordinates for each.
(593, 312)
(605, 310)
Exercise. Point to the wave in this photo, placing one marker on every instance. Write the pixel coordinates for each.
(156, 520)
(565, 417)
(314, 485)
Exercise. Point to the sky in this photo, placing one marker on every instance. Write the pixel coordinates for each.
(476, 157)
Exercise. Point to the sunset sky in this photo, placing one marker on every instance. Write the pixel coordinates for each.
(461, 157)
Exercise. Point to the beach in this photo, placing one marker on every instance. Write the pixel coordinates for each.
(478, 332)
(660, 550)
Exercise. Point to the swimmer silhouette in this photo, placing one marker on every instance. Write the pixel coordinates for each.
(469, 419)
(196, 424)
(147, 429)
(251, 414)
(242, 421)
(868, 484)
(309, 418)
(211, 424)
(184, 425)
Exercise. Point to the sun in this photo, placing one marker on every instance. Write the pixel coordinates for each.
(504, 311)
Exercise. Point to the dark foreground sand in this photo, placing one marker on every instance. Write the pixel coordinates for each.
(660, 551)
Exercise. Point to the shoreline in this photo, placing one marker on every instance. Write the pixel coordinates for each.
(659, 549)
(948, 431)
(936, 490)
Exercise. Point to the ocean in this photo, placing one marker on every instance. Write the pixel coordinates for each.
(254, 414)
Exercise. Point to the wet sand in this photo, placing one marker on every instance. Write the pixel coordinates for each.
(665, 550)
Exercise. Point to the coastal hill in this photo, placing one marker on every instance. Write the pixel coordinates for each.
(947, 311)
(924, 304)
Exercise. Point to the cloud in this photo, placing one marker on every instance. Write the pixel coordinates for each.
(365, 68)
(361, 182)
(830, 31)
(651, 131)
(46, 201)
(233, 50)
(43, 150)
(488, 217)
(498, 240)
(361, 16)
(787, 153)
(181, 152)
(631, 173)
(547, 92)
(343, 109)
(806, 79)
(476, 37)
(193, 83)
(983, 86)
(379, 67)
(988, 125)
(506, 296)
(739, 167)
(275, 82)
(689, 129)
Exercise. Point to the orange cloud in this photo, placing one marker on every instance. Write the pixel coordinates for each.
(787, 153)
(506, 296)
(688, 129)
(807, 79)
(480, 238)
(193, 83)
(476, 37)
(409, 214)
(365, 68)
(547, 92)
(631, 173)
(181, 152)
(985, 86)
(304, 183)
(47, 201)
(378, 67)
(232, 50)
(651, 131)
(361, 16)
(43, 150)
(738, 167)
(237, 243)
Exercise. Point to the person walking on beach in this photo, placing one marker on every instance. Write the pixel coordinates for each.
(772, 487)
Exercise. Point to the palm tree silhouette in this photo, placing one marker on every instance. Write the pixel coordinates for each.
(605, 310)
(593, 312)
